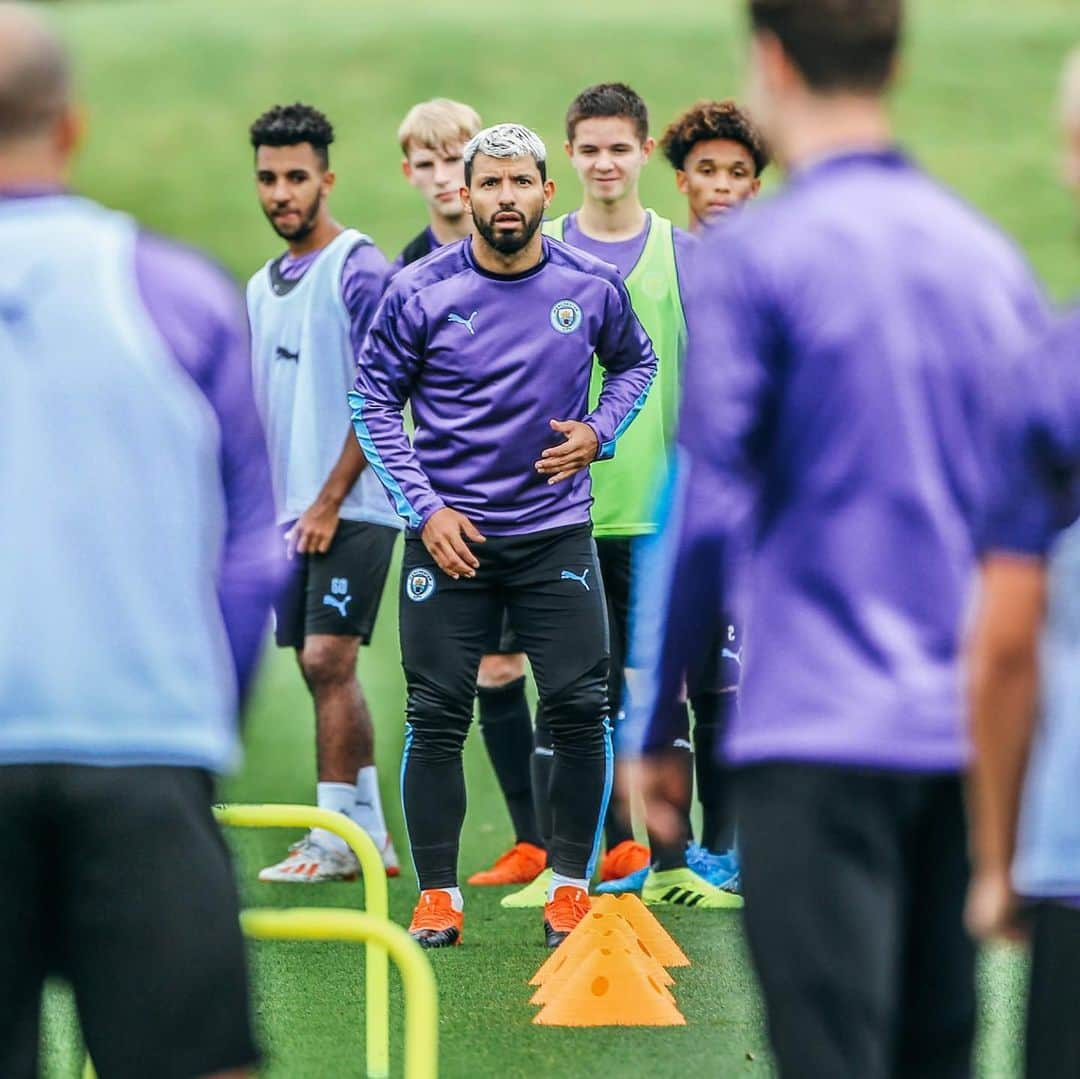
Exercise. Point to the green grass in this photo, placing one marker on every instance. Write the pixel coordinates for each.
(171, 88)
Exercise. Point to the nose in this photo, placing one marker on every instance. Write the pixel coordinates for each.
(604, 162)
(280, 191)
(723, 183)
(443, 174)
(508, 194)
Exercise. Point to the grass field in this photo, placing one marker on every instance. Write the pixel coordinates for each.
(170, 90)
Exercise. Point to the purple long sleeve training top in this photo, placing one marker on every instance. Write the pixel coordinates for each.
(835, 433)
(486, 362)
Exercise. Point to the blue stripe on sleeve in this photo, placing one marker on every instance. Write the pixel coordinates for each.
(402, 505)
(607, 450)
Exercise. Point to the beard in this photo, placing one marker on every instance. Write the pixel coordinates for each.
(508, 243)
(303, 227)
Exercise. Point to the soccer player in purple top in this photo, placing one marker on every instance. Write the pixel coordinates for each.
(1025, 679)
(432, 137)
(844, 344)
(309, 310)
(128, 434)
(491, 342)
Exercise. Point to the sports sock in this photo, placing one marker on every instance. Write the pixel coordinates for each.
(338, 798)
(506, 726)
(367, 809)
(711, 714)
(559, 881)
(672, 854)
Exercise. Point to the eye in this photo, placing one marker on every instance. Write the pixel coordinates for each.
(524, 181)
(488, 182)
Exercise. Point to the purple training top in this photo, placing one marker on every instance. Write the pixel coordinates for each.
(845, 336)
(363, 280)
(486, 362)
(197, 310)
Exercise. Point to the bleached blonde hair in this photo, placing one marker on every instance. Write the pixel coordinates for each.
(506, 141)
(438, 123)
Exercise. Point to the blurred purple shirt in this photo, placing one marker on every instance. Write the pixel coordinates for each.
(845, 337)
(200, 314)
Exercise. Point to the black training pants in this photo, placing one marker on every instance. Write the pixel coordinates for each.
(855, 883)
(1053, 1035)
(549, 584)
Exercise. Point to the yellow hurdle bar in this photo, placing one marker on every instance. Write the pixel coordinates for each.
(377, 971)
(418, 980)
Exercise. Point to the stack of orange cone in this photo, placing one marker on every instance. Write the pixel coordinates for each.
(610, 971)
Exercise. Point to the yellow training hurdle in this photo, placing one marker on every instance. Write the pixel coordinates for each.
(377, 973)
(417, 977)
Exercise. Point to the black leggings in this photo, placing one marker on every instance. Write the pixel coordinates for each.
(549, 584)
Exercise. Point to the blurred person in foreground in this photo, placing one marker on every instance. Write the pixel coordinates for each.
(128, 434)
(1025, 682)
(310, 308)
(835, 432)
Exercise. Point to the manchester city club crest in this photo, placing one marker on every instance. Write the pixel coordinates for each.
(566, 316)
(420, 585)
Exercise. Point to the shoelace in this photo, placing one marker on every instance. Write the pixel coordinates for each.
(568, 909)
(433, 914)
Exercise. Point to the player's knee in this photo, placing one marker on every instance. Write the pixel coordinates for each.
(437, 730)
(497, 671)
(328, 662)
(575, 714)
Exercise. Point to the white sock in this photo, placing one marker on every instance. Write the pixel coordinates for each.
(367, 807)
(559, 881)
(457, 901)
(338, 798)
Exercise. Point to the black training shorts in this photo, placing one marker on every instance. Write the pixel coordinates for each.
(337, 593)
(118, 880)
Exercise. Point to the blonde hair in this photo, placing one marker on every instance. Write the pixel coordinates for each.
(437, 123)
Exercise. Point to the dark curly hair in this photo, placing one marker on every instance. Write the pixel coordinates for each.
(290, 125)
(608, 99)
(713, 120)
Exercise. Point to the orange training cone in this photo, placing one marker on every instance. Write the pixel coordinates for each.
(576, 944)
(610, 989)
(645, 924)
(606, 944)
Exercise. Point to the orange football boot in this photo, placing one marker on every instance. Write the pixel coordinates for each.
(623, 859)
(562, 913)
(521, 864)
(435, 923)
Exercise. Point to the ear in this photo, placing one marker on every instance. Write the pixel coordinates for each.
(466, 198)
(549, 192)
(776, 69)
(648, 146)
(69, 132)
(755, 187)
(328, 180)
(569, 148)
(682, 182)
(406, 169)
